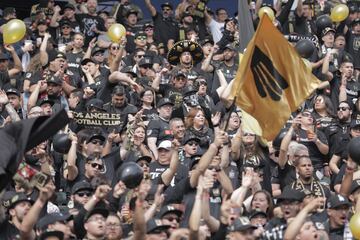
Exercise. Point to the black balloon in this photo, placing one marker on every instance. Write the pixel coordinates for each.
(305, 48)
(61, 143)
(354, 149)
(323, 22)
(131, 174)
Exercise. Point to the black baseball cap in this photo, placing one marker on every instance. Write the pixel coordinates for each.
(17, 198)
(355, 185)
(145, 61)
(44, 101)
(327, 30)
(82, 185)
(336, 201)
(102, 211)
(140, 33)
(130, 70)
(163, 102)
(132, 11)
(354, 123)
(96, 50)
(95, 136)
(257, 212)
(167, 4)
(290, 194)
(355, 21)
(87, 60)
(155, 224)
(50, 233)
(170, 209)
(241, 224)
(189, 138)
(69, 6)
(52, 218)
(13, 91)
(54, 79)
(95, 103)
(53, 54)
(146, 158)
(148, 25)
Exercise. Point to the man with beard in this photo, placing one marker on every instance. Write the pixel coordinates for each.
(345, 87)
(166, 28)
(91, 25)
(119, 104)
(17, 207)
(80, 195)
(228, 66)
(53, 93)
(340, 128)
(305, 180)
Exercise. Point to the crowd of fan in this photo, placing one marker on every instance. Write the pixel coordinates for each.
(163, 91)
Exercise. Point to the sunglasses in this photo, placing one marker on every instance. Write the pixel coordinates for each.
(248, 134)
(192, 143)
(217, 169)
(140, 56)
(65, 27)
(203, 83)
(342, 108)
(142, 164)
(149, 29)
(166, 9)
(95, 141)
(96, 165)
(115, 48)
(172, 219)
(141, 38)
(82, 194)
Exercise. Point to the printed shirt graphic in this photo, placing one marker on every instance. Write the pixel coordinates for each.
(272, 80)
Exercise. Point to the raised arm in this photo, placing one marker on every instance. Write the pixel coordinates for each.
(71, 170)
(17, 63)
(169, 173)
(44, 58)
(151, 7)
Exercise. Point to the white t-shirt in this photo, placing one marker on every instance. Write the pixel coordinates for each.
(216, 30)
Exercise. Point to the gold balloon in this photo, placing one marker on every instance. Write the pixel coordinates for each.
(339, 13)
(268, 11)
(116, 32)
(14, 31)
(355, 225)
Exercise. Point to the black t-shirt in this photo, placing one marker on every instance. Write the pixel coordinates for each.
(353, 47)
(87, 24)
(74, 60)
(275, 229)
(165, 29)
(156, 169)
(228, 71)
(159, 129)
(286, 175)
(303, 26)
(169, 91)
(4, 78)
(317, 158)
(8, 231)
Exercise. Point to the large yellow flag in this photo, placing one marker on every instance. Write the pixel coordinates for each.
(272, 80)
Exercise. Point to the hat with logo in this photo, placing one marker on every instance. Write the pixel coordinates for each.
(241, 224)
(355, 21)
(69, 6)
(354, 123)
(130, 70)
(97, 50)
(65, 22)
(140, 34)
(44, 101)
(336, 201)
(166, 144)
(148, 25)
(53, 54)
(327, 30)
(18, 198)
(55, 80)
(145, 158)
(170, 209)
(13, 91)
(163, 102)
(102, 211)
(82, 185)
(189, 138)
(257, 212)
(145, 61)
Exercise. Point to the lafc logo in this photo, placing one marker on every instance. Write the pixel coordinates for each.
(267, 79)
